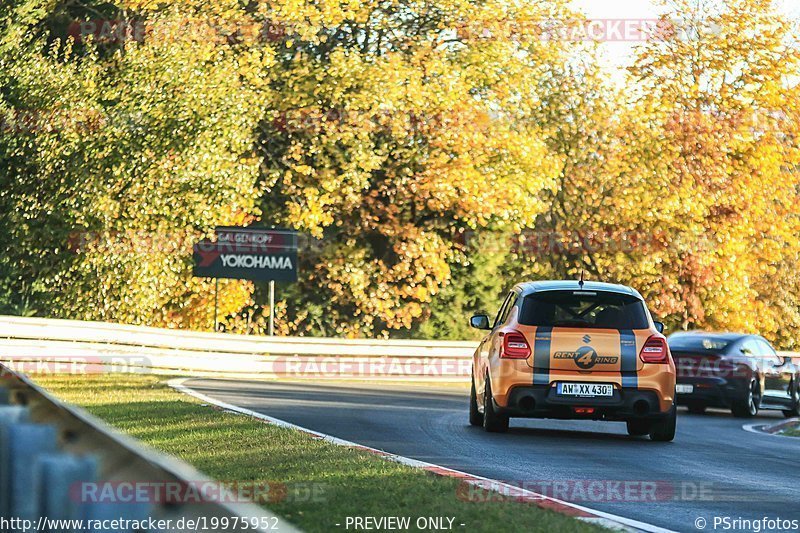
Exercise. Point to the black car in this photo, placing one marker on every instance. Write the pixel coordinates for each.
(739, 372)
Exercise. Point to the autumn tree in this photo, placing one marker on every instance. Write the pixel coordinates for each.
(721, 86)
(396, 126)
(117, 153)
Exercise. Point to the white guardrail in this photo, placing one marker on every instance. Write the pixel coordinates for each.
(36, 345)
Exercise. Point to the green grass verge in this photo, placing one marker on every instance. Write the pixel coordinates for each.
(231, 448)
(794, 432)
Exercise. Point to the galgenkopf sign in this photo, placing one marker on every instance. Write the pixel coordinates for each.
(253, 253)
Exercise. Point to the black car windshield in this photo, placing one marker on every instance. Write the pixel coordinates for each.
(698, 343)
(583, 309)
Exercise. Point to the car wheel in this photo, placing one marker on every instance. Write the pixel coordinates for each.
(637, 428)
(493, 422)
(475, 416)
(747, 406)
(664, 430)
(795, 410)
(696, 408)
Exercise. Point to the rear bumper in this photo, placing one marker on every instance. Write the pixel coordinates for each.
(541, 401)
(713, 391)
(655, 384)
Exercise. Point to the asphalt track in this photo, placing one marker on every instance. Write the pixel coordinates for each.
(713, 468)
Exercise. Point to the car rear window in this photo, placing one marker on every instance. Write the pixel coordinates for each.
(698, 343)
(583, 309)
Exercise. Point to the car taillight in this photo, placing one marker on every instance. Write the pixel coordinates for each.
(655, 350)
(515, 346)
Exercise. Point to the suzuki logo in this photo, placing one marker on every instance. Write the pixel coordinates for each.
(587, 338)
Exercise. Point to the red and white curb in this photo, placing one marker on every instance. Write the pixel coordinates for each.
(579, 512)
(773, 430)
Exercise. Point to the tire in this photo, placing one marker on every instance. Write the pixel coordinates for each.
(664, 430)
(747, 406)
(795, 410)
(475, 416)
(493, 422)
(637, 428)
(696, 408)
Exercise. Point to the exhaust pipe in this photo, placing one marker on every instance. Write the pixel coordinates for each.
(527, 403)
(641, 407)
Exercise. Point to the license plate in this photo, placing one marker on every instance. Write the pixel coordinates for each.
(585, 390)
(684, 389)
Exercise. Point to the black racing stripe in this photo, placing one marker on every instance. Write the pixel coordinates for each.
(541, 355)
(627, 351)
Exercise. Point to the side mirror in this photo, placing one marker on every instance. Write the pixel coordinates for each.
(659, 326)
(479, 322)
(787, 361)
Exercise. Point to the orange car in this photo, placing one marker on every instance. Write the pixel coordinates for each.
(574, 350)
